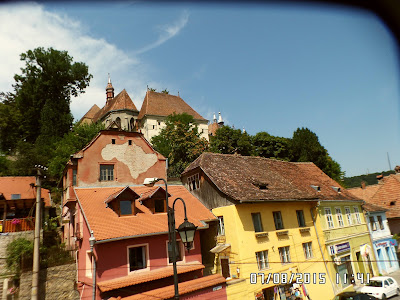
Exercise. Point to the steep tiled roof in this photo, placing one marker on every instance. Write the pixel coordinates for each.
(91, 113)
(186, 287)
(372, 207)
(119, 102)
(240, 178)
(106, 224)
(160, 104)
(143, 277)
(385, 194)
(24, 185)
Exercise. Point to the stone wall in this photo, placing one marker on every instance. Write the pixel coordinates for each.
(54, 283)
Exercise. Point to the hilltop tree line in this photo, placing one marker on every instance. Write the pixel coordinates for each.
(180, 141)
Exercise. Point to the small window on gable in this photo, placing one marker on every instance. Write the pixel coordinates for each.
(15, 196)
(316, 187)
(193, 182)
(112, 141)
(106, 172)
(125, 207)
(159, 206)
(130, 142)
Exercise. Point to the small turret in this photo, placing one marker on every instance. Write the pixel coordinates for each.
(109, 90)
(220, 121)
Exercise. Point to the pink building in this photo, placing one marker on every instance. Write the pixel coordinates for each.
(103, 194)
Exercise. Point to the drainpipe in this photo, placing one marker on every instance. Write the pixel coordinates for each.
(320, 247)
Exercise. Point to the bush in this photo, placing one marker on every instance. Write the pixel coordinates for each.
(18, 252)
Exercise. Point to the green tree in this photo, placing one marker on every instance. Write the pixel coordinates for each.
(72, 142)
(266, 145)
(180, 142)
(228, 140)
(42, 95)
(305, 146)
(165, 91)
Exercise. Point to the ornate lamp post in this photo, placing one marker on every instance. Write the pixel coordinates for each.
(186, 229)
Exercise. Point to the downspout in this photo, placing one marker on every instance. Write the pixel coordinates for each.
(320, 247)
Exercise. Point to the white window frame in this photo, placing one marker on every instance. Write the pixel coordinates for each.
(348, 215)
(328, 216)
(284, 254)
(381, 224)
(339, 216)
(196, 179)
(373, 223)
(147, 258)
(307, 248)
(221, 226)
(262, 260)
(108, 173)
(357, 214)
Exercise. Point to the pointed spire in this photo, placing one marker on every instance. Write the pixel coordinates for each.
(214, 118)
(109, 90)
(220, 121)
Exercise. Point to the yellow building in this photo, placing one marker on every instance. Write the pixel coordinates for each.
(267, 244)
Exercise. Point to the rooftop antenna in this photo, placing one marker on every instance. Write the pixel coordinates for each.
(178, 94)
(390, 167)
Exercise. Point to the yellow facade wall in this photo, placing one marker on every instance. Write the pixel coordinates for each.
(240, 234)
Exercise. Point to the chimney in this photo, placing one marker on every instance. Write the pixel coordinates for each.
(397, 170)
(379, 178)
(363, 185)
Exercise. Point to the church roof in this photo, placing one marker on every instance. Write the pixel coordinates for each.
(119, 102)
(160, 104)
(91, 113)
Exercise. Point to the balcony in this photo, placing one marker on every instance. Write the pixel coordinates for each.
(282, 233)
(262, 234)
(16, 225)
(304, 230)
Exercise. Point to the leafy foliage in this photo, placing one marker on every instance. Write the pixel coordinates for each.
(228, 140)
(165, 91)
(72, 142)
(266, 145)
(17, 250)
(180, 142)
(369, 179)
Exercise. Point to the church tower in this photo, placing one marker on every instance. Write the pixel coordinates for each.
(109, 90)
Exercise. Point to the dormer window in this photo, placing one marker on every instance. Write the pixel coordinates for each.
(154, 200)
(125, 207)
(392, 203)
(261, 185)
(15, 196)
(337, 189)
(123, 202)
(316, 187)
(193, 182)
(159, 205)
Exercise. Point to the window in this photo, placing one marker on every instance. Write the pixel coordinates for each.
(159, 205)
(372, 223)
(357, 213)
(284, 254)
(262, 259)
(348, 215)
(194, 182)
(74, 171)
(15, 196)
(118, 121)
(106, 172)
(328, 216)
(137, 258)
(113, 141)
(179, 253)
(257, 222)
(380, 222)
(278, 220)
(221, 226)
(130, 142)
(339, 216)
(388, 255)
(125, 207)
(300, 218)
(307, 250)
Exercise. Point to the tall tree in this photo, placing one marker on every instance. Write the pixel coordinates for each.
(305, 146)
(266, 145)
(180, 142)
(228, 140)
(42, 94)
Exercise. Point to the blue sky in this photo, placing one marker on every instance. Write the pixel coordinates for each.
(265, 67)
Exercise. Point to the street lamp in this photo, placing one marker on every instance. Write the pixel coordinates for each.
(186, 229)
(92, 241)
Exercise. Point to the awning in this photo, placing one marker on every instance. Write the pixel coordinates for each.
(219, 248)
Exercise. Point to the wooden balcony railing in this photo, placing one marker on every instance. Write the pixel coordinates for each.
(25, 224)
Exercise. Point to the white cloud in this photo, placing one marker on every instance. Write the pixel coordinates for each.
(26, 26)
(167, 32)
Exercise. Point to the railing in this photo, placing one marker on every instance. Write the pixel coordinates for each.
(25, 224)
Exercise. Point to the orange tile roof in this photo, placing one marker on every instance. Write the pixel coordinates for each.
(121, 282)
(383, 194)
(119, 102)
(372, 207)
(240, 178)
(23, 185)
(184, 288)
(160, 104)
(106, 224)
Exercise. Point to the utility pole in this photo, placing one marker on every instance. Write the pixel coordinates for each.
(38, 222)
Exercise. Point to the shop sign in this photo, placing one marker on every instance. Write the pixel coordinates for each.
(342, 247)
(382, 244)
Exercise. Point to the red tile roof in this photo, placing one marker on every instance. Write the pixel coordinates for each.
(23, 185)
(385, 194)
(120, 102)
(91, 113)
(372, 207)
(184, 288)
(121, 282)
(160, 104)
(107, 225)
(240, 178)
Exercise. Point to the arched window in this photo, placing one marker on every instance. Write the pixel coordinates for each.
(118, 121)
(132, 124)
